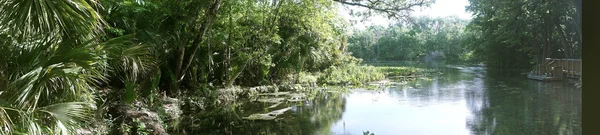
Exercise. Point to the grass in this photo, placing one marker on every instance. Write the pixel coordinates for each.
(399, 71)
(350, 74)
(359, 74)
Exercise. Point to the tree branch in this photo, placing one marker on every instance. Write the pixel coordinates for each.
(390, 8)
(210, 14)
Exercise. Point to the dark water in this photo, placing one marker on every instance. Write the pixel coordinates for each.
(461, 101)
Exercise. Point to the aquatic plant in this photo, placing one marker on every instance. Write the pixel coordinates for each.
(399, 71)
(350, 74)
(360, 74)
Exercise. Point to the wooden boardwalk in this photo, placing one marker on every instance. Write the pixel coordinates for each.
(556, 69)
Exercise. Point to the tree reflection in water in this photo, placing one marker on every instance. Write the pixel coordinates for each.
(313, 116)
(487, 101)
(502, 104)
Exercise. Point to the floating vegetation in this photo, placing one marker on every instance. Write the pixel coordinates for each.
(297, 97)
(271, 100)
(351, 74)
(267, 116)
(387, 83)
(274, 94)
(400, 71)
(273, 106)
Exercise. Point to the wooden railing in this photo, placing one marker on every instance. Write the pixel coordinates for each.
(559, 68)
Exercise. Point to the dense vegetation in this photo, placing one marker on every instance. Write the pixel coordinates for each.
(513, 33)
(424, 38)
(61, 58)
(65, 64)
(522, 32)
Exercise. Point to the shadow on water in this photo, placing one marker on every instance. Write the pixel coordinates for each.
(461, 100)
(313, 116)
(504, 102)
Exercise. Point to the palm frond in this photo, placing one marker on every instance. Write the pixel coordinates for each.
(129, 61)
(31, 17)
(49, 72)
(5, 121)
(67, 116)
(61, 118)
(48, 87)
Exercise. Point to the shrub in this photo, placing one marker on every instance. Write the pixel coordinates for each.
(350, 74)
(399, 71)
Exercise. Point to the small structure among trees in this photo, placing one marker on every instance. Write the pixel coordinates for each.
(556, 69)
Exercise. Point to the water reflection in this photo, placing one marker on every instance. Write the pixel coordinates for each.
(510, 104)
(313, 116)
(466, 100)
(463, 100)
(420, 107)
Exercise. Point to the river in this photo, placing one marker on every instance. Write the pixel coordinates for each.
(460, 101)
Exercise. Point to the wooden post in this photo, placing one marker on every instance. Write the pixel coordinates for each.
(558, 72)
(577, 66)
(562, 64)
(571, 69)
(539, 69)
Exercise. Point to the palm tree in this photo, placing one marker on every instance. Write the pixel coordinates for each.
(46, 87)
(51, 62)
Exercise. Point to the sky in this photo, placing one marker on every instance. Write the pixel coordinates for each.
(441, 8)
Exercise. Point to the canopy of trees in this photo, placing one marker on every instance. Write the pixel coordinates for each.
(431, 38)
(521, 32)
(513, 33)
(59, 55)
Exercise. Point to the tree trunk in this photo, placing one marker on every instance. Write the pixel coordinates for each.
(578, 17)
(210, 14)
(226, 64)
(179, 61)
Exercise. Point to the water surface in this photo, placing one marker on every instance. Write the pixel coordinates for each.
(460, 101)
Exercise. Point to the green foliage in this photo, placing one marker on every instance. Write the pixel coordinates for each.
(429, 38)
(56, 55)
(47, 86)
(350, 74)
(52, 65)
(468, 57)
(154, 88)
(359, 74)
(73, 19)
(519, 32)
(399, 71)
(308, 78)
(130, 92)
(248, 43)
(141, 127)
(136, 124)
(128, 61)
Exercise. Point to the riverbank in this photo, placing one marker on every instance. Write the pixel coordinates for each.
(325, 109)
(159, 114)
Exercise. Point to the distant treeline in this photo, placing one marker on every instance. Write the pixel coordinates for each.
(424, 38)
(514, 33)
(522, 32)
